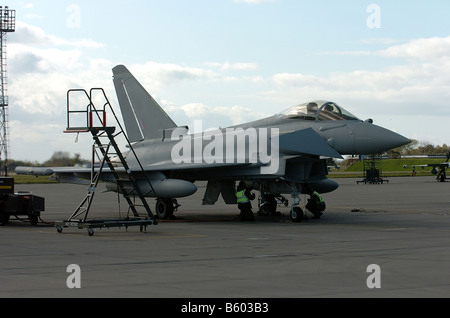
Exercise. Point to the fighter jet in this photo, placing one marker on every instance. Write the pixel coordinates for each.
(437, 169)
(281, 154)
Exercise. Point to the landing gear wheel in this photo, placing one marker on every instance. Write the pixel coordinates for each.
(268, 205)
(59, 229)
(296, 214)
(4, 218)
(264, 209)
(164, 208)
(34, 219)
(90, 232)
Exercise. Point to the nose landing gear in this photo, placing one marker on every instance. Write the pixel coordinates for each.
(296, 213)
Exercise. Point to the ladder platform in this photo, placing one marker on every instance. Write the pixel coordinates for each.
(88, 129)
(103, 223)
(76, 129)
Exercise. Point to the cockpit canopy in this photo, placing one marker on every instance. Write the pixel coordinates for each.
(318, 110)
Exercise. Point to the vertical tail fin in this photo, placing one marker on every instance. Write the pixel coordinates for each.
(143, 117)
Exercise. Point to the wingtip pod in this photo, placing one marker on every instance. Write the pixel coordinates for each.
(34, 171)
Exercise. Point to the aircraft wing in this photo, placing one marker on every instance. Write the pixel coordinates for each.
(62, 174)
(439, 165)
(306, 142)
(192, 166)
(415, 166)
(80, 175)
(48, 171)
(433, 165)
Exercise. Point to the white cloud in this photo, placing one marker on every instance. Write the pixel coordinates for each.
(423, 49)
(410, 97)
(219, 116)
(32, 35)
(155, 75)
(418, 49)
(423, 76)
(42, 68)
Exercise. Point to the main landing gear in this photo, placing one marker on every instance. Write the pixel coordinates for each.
(268, 203)
(165, 208)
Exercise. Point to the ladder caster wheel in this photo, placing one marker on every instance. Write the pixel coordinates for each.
(90, 232)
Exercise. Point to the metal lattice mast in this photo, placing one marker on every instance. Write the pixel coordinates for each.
(7, 24)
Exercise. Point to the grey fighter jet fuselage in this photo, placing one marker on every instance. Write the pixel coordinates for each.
(281, 154)
(304, 138)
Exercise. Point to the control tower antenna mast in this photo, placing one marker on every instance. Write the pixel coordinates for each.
(7, 24)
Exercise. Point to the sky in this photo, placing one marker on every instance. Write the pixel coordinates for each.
(227, 62)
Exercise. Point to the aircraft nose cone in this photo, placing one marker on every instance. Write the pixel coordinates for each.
(372, 139)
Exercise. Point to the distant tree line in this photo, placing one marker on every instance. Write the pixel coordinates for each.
(416, 147)
(58, 159)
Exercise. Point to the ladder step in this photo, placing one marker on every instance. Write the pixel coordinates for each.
(123, 180)
(76, 129)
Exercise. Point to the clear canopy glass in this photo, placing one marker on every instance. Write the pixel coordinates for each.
(318, 110)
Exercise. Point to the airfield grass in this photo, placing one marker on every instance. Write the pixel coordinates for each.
(389, 168)
(25, 179)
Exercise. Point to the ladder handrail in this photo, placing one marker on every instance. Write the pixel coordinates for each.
(109, 131)
(89, 110)
(77, 111)
(121, 130)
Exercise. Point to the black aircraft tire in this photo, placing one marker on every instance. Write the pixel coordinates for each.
(4, 218)
(296, 214)
(34, 219)
(264, 209)
(164, 209)
(4, 215)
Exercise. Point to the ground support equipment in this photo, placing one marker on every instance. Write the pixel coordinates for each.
(22, 203)
(105, 151)
(372, 171)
